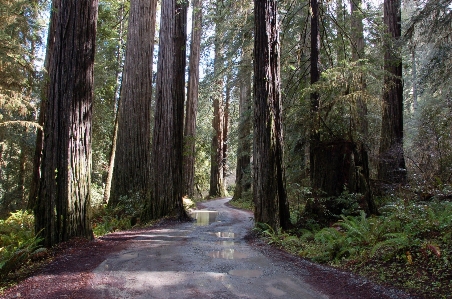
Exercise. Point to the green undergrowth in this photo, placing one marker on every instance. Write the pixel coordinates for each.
(19, 245)
(245, 202)
(409, 246)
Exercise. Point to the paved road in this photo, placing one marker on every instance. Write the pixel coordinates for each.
(207, 259)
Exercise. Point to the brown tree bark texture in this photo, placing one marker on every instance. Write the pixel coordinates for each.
(243, 170)
(269, 193)
(192, 100)
(391, 166)
(217, 151)
(357, 33)
(131, 173)
(35, 178)
(315, 76)
(64, 195)
(167, 148)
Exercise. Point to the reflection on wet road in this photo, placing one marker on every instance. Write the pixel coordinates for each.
(208, 258)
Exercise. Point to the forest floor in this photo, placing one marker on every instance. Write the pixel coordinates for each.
(216, 257)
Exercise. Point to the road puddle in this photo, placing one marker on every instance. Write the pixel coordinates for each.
(225, 243)
(227, 235)
(204, 218)
(246, 273)
(228, 254)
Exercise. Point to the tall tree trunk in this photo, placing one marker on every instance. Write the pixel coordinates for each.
(243, 170)
(111, 164)
(167, 148)
(269, 192)
(44, 93)
(192, 100)
(315, 76)
(216, 161)
(391, 167)
(131, 174)
(62, 209)
(119, 59)
(414, 78)
(227, 100)
(357, 34)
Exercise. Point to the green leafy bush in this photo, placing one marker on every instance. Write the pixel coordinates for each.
(18, 242)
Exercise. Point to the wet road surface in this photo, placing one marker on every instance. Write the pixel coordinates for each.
(206, 259)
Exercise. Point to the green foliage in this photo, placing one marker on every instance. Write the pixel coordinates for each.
(408, 245)
(245, 202)
(107, 221)
(122, 217)
(18, 242)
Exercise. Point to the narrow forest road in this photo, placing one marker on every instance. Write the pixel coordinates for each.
(198, 260)
(207, 259)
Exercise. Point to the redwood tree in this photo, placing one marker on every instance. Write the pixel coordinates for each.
(217, 150)
(44, 93)
(63, 202)
(269, 192)
(192, 99)
(391, 167)
(243, 170)
(131, 172)
(167, 147)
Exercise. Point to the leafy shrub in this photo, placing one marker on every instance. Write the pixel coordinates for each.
(18, 242)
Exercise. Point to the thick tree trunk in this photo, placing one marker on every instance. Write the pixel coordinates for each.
(269, 192)
(216, 161)
(340, 166)
(167, 188)
(62, 209)
(131, 173)
(243, 170)
(44, 93)
(391, 167)
(315, 76)
(192, 100)
(357, 32)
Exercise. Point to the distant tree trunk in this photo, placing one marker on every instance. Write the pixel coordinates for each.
(227, 100)
(119, 59)
(167, 188)
(315, 76)
(415, 92)
(391, 167)
(192, 100)
(22, 176)
(340, 164)
(357, 32)
(216, 161)
(269, 192)
(243, 170)
(131, 173)
(111, 164)
(62, 209)
(44, 93)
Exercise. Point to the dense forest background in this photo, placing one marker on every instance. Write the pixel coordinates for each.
(366, 110)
